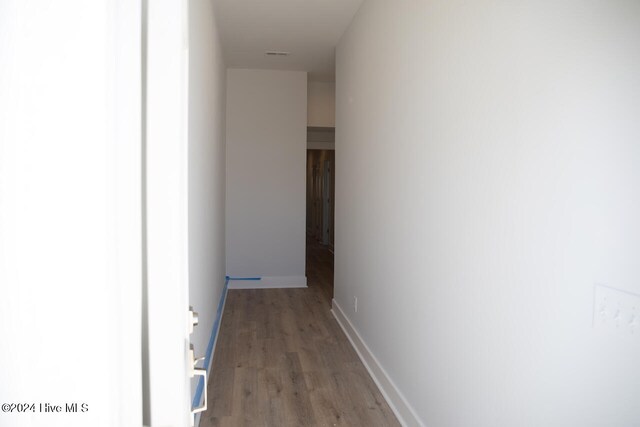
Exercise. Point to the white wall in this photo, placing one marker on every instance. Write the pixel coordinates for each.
(207, 75)
(70, 211)
(321, 110)
(487, 179)
(266, 155)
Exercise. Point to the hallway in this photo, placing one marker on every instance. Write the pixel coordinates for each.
(282, 360)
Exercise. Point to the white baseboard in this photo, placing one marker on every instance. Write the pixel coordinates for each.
(399, 405)
(269, 282)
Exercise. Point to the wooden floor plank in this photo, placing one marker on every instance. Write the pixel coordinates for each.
(298, 411)
(282, 360)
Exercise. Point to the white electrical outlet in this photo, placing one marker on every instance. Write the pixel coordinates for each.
(617, 312)
(355, 304)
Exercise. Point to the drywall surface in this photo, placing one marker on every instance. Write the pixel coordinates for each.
(207, 85)
(266, 155)
(70, 214)
(321, 111)
(487, 179)
(321, 138)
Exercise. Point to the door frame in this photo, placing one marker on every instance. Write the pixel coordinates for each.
(165, 58)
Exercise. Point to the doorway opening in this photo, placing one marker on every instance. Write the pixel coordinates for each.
(320, 209)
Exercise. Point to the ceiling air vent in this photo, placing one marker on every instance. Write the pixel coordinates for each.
(276, 53)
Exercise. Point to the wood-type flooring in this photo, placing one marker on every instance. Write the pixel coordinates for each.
(283, 361)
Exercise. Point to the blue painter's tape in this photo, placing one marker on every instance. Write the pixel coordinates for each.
(212, 340)
(244, 278)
